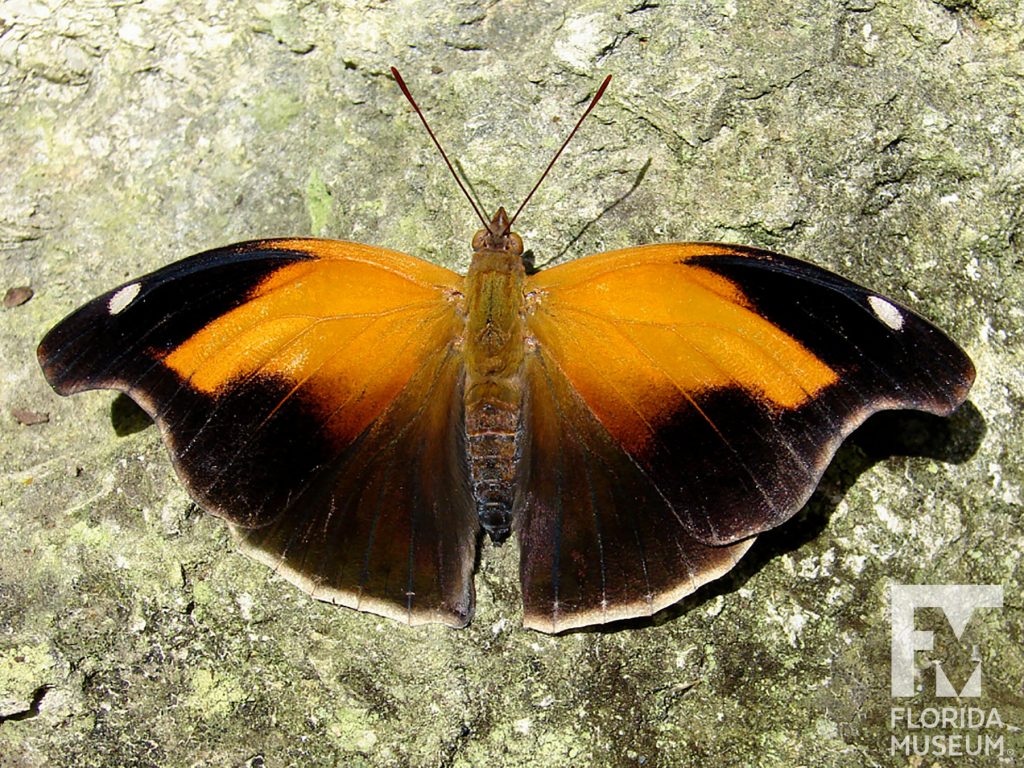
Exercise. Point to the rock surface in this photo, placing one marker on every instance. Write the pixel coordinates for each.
(880, 139)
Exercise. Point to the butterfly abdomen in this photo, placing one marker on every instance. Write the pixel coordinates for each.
(494, 388)
(492, 433)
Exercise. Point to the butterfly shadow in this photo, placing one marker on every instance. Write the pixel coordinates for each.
(953, 439)
(127, 416)
(530, 258)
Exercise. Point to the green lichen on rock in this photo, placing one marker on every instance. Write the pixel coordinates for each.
(879, 139)
(319, 204)
(21, 670)
(275, 110)
(213, 693)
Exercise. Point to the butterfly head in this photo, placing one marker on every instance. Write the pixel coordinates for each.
(498, 236)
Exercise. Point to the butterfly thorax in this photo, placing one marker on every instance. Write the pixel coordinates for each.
(494, 350)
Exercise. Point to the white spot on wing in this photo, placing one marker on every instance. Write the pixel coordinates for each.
(120, 300)
(886, 312)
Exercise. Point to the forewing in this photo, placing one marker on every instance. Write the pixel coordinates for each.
(281, 374)
(731, 375)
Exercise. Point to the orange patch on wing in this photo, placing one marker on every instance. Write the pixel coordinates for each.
(640, 333)
(346, 331)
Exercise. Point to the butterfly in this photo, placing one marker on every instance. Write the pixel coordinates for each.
(362, 418)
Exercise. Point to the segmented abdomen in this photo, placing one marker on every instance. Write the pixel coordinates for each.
(492, 431)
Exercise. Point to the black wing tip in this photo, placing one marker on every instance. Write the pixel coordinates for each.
(106, 340)
(60, 379)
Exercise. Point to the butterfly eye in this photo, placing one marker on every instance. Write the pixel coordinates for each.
(514, 244)
(479, 239)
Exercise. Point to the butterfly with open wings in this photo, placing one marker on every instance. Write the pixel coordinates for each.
(362, 418)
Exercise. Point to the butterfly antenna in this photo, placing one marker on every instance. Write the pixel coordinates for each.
(405, 90)
(593, 103)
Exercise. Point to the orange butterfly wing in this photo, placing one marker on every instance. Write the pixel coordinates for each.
(685, 397)
(309, 392)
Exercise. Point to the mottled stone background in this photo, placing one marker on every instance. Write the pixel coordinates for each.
(881, 139)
